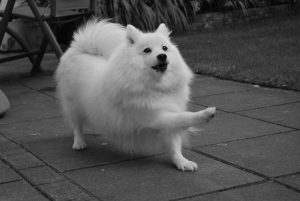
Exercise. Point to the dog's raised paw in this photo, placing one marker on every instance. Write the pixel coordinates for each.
(79, 145)
(210, 113)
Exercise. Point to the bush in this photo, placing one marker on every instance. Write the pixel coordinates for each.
(205, 6)
(224, 5)
(148, 14)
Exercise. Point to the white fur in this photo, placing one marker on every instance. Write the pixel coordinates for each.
(105, 80)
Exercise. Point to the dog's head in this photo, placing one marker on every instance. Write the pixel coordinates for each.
(155, 59)
(154, 49)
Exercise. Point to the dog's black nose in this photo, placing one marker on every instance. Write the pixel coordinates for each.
(162, 57)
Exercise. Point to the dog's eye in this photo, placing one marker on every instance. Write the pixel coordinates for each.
(165, 48)
(147, 50)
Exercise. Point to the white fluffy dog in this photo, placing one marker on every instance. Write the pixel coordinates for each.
(131, 86)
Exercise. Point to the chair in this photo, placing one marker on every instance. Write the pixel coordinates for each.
(59, 12)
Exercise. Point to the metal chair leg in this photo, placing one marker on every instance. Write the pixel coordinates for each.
(4, 27)
(37, 63)
(6, 18)
(46, 29)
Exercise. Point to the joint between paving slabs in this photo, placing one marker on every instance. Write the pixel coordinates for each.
(27, 180)
(61, 174)
(242, 115)
(287, 175)
(11, 181)
(278, 124)
(222, 93)
(265, 177)
(241, 139)
(267, 106)
(220, 190)
(18, 171)
(113, 163)
(40, 91)
(35, 120)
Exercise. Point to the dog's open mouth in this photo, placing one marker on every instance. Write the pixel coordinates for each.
(161, 67)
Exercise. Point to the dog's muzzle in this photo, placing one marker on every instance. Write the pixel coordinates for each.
(162, 63)
(161, 67)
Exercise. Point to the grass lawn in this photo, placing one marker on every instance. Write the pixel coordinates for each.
(264, 52)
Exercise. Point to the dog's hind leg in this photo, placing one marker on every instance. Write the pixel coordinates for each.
(79, 143)
(75, 121)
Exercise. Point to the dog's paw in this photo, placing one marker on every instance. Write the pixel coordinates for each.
(205, 115)
(80, 145)
(209, 113)
(184, 164)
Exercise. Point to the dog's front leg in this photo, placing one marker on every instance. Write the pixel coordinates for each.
(173, 120)
(170, 123)
(174, 150)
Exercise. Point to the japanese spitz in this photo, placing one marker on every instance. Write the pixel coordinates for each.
(130, 86)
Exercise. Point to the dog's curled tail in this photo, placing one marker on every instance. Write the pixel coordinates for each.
(98, 37)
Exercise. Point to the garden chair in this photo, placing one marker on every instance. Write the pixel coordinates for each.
(58, 12)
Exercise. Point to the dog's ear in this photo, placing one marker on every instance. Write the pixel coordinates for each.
(132, 34)
(163, 29)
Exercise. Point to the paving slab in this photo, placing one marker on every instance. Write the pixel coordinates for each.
(10, 149)
(194, 108)
(49, 62)
(39, 82)
(288, 115)
(20, 68)
(18, 157)
(13, 88)
(31, 112)
(15, 69)
(49, 91)
(27, 97)
(156, 179)
(58, 152)
(228, 127)
(65, 190)
(7, 174)
(36, 130)
(292, 180)
(19, 190)
(41, 175)
(260, 192)
(3, 139)
(23, 160)
(205, 86)
(272, 155)
(250, 99)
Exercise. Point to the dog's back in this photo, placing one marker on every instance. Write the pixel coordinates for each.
(98, 38)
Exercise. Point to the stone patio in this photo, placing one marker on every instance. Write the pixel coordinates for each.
(249, 152)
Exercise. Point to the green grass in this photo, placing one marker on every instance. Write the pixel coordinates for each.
(264, 52)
